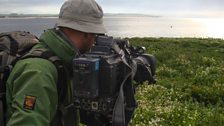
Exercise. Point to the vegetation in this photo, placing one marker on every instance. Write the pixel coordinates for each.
(190, 83)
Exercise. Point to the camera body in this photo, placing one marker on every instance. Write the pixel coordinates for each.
(99, 75)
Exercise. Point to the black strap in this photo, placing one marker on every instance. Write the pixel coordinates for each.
(2, 123)
(4, 77)
(67, 113)
(60, 119)
(2, 100)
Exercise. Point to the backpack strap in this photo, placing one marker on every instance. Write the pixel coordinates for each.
(65, 114)
(13, 43)
(2, 99)
(4, 76)
(2, 123)
(62, 76)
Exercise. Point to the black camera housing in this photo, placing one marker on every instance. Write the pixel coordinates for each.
(99, 74)
(97, 77)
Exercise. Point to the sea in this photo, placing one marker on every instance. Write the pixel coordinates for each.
(131, 26)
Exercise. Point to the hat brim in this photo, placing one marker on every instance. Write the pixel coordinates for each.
(82, 26)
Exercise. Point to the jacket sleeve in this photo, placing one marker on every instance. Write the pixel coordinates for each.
(32, 93)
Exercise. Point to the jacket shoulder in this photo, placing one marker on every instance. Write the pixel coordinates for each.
(35, 66)
(32, 77)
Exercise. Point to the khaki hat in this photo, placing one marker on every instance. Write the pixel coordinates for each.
(82, 15)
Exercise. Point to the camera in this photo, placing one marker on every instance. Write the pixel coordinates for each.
(103, 80)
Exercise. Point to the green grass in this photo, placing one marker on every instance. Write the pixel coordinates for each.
(190, 83)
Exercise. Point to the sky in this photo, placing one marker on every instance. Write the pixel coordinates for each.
(150, 7)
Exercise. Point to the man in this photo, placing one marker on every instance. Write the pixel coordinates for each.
(32, 95)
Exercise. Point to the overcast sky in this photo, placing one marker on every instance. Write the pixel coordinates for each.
(152, 7)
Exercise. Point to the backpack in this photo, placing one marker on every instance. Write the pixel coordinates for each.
(15, 46)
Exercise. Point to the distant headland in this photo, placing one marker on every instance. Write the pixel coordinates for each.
(16, 15)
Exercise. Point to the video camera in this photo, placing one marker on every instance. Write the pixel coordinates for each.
(103, 88)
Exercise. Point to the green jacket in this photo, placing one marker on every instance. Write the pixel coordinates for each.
(31, 90)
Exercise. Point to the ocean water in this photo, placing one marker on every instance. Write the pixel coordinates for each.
(131, 26)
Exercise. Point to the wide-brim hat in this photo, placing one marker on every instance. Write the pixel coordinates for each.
(82, 15)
